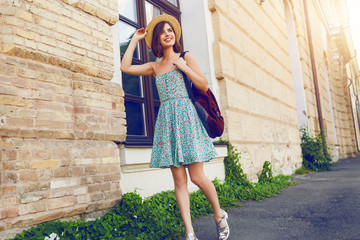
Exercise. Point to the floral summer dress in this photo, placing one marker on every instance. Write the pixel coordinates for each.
(180, 138)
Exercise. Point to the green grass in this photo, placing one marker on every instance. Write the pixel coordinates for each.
(303, 170)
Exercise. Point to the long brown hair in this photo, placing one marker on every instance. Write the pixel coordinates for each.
(156, 47)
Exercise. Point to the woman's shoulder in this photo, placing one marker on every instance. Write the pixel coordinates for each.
(188, 55)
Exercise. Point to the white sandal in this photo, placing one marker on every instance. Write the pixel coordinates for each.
(223, 232)
(191, 236)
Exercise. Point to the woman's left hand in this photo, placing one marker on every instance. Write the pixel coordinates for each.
(180, 63)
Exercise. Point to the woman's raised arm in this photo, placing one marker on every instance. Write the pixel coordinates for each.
(126, 66)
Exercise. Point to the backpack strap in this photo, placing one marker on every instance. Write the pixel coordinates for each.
(182, 55)
(187, 82)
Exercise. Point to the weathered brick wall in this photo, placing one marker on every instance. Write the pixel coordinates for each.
(45, 179)
(59, 113)
(256, 88)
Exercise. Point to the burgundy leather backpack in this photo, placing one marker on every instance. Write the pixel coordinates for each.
(206, 107)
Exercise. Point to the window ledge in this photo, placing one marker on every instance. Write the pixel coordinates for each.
(136, 158)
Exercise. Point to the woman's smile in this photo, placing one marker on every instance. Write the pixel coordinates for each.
(167, 36)
(168, 39)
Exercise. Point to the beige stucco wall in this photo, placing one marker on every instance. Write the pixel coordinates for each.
(327, 55)
(59, 113)
(253, 68)
(256, 88)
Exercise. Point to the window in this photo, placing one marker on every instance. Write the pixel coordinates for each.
(141, 97)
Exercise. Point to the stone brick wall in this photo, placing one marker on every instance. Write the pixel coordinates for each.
(59, 113)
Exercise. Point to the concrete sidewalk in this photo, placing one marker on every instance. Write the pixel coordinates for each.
(323, 206)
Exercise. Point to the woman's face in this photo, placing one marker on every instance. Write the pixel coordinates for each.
(167, 36)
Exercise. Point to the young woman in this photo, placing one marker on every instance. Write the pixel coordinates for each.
(180, 139)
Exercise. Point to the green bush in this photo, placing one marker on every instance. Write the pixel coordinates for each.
(315, 151)
(266, 174)
(158, 216)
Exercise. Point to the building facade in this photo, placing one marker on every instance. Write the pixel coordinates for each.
(76, 133)
(280, 66)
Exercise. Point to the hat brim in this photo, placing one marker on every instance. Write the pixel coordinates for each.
(162, 18)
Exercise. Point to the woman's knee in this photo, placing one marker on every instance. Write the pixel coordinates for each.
(198, 180)
(180, 182)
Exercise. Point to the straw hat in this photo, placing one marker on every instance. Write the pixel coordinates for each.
(163, 18)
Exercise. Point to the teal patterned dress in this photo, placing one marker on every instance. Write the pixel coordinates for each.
(180, 138)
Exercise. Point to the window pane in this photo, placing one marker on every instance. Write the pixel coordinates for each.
(173, 2)
(132, 84)
(127, 8)
(151, 12)
(125, 34)
(134, 118)
(155, 91)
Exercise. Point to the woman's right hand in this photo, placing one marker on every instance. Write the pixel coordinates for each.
(140, 34)
(126, 63)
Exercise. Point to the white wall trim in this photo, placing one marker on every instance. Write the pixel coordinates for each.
(296, 67)
(116, 48)
(198, 37)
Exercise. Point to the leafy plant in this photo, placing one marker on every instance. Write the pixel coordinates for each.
(315, 152)
(234, 174)
(158, 216)
(266, 174)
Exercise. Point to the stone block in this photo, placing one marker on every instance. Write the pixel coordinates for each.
(102, 187)
(36, 207)
(77, 171)
(32, 197)
(33, 187)
(56, 193)
(81, 199)
(9, 201)
(48, 216)
(15, 101)
(75, 211)
(2, 214)
(109, 203)
(10, 177)
(11, 155)
(81, 190)
(61, 172)
(44, 164)
(97, 197)
(112, 177)
(64, 183)
(61, 203)
(12, 212)
(113, 194)
(44, 174)
(9, 190)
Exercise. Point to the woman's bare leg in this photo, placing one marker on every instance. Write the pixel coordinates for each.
(198, 177)
(182, 196)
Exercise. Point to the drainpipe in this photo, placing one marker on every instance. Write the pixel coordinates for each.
(313, 66)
